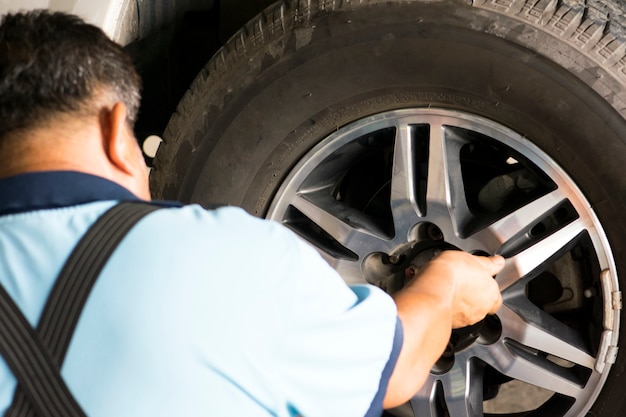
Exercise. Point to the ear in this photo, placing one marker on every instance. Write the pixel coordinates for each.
(125, 159)
(115, 131)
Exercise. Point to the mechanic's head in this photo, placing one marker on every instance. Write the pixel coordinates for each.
(53, 63)
(68, 101)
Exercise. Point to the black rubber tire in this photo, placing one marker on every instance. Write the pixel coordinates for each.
(554, 71)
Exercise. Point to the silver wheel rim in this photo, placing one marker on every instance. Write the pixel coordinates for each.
(431, 177)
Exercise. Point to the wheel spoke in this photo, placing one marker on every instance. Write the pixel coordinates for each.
(462, 388)
(531, 369)
(348, 227)
(458, 393)
(445, 195)
(403, 202)
(518, 222)
(545, 334)
(533, 373)
(350, 270)
(543, 356)
(424, 403)
(525, 262)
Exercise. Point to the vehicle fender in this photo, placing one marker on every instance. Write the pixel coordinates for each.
(123, 20)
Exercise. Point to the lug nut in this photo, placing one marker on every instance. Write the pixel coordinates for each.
(394, 259)
(410, 272)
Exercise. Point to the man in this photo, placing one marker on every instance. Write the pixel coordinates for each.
(197, 313)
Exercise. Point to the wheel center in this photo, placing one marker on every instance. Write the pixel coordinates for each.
(484, 332)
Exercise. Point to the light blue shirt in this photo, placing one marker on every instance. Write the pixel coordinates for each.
(197, 313)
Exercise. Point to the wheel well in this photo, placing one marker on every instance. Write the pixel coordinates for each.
(172, 54)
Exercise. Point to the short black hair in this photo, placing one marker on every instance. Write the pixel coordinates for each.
(54, 62)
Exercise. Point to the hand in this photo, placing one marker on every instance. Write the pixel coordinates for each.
(474, 291)
(453, 290)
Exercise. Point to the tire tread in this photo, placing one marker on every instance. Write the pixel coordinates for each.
(596, 27)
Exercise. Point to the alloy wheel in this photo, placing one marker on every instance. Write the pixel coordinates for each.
(383, 195)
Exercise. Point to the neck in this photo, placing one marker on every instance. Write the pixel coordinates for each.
(102, 145)
(32, 152)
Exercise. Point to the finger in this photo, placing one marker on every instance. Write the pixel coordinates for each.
(497, 303)
(492, 264)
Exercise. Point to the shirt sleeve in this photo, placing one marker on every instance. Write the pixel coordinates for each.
(278, 325)
(376, 408)
(342, 342)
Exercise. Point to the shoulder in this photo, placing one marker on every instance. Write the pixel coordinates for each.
(198, 216)
(223, 237)
(231, 224)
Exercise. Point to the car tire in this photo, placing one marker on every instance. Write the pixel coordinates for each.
(548, 75)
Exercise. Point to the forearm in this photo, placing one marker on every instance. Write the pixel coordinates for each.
(424, 309)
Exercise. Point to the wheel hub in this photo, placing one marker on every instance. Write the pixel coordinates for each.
(485, 332)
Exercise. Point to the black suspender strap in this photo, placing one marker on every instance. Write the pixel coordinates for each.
(35, 357)
(36, 372)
